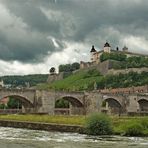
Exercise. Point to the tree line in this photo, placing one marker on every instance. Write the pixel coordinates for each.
(69, 67)
(22, 81)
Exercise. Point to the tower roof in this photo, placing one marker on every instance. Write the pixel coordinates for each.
(124, 48)
(93, 49)
(106, 44)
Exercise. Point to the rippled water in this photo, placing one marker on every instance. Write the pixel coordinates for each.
(22, 138)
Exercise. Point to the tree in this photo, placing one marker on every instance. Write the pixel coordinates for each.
(61, 103)
(75, 66)
(69, 67)
(14, 103)
(113, 56)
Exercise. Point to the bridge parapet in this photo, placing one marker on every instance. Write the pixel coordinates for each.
(28, 95)
(17, 90)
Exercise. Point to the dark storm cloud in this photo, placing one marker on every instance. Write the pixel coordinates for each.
(85, 21)
(33, 16)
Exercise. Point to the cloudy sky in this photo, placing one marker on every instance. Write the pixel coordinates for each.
(38, 34)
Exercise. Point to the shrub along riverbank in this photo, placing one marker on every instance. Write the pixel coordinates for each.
(130, 126)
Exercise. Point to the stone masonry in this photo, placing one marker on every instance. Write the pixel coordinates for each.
(40, 101)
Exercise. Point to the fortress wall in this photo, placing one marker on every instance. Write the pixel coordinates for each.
(54, 77)
(103, 67)
(106, 67)
(124, 71)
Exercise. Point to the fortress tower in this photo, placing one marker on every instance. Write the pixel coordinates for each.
(94, 54)
(125, 49)
(106, 47)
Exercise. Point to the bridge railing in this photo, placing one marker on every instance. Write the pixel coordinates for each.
(17, 90)
(128, 90)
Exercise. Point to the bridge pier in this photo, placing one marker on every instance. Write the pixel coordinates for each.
(93, 102)
(45, 102)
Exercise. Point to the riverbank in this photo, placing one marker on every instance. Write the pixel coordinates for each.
(67, 123)
(42, 126)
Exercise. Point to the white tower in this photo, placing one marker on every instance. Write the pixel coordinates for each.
(93, 53)
(106, 47)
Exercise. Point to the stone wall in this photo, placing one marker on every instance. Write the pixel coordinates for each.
(124, 71)
(55, 77)
(102, 67)
(42, 126)
(128, 90)
(106, 67)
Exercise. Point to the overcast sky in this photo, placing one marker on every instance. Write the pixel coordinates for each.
(38, 34)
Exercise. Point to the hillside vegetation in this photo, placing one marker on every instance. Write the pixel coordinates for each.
(81, 80)
(90, 79)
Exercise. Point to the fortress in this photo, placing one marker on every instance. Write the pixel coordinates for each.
(106, 67)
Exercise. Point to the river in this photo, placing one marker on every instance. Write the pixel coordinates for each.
(24, 138)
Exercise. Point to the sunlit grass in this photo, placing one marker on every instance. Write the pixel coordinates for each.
(72, 120)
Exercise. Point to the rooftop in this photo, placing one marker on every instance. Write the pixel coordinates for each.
(93, 49)
(106, 44)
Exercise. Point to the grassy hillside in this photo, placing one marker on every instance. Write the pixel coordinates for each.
(81, 80)
(86, 80)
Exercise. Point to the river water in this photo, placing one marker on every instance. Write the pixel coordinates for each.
(23, 138)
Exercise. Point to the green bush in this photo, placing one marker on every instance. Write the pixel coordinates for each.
(98, 124)
(134, 129)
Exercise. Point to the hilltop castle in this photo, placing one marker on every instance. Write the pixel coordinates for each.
(105, 67)
(95, 55)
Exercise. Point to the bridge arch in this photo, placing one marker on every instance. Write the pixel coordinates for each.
(113, 102)
(114, 106)
(73, 100)
(143, 104)
(75, 105)
(25, 101)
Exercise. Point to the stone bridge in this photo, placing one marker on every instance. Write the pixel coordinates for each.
(27, 97)
(37, 101)
(126, 103)
(41, 101)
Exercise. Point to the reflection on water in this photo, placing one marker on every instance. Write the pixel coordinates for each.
(22, 138)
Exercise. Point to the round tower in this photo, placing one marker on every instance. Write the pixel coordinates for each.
(125, 49)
